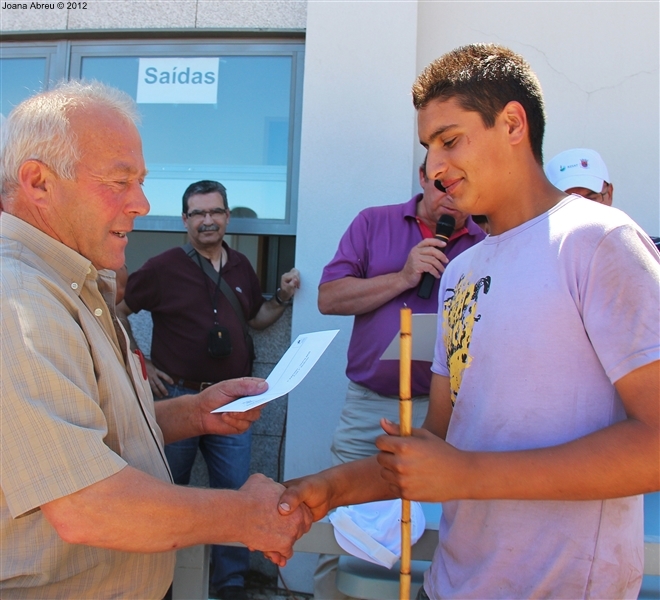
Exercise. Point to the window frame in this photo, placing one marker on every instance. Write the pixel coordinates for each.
(64, 61)
(55, 54)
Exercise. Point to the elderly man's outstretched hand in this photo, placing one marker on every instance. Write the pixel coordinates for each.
(222, 393)
(266, 529)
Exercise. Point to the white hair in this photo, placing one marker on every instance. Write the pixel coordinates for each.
(39, 128)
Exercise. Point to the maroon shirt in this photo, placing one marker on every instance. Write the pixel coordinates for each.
(178, 294)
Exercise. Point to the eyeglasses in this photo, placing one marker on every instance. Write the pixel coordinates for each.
(215, 213)
(599, 196)
(595, 196)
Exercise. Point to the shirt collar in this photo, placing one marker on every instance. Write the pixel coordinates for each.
(233, 257)
(72, 267)
(410, 207)
(474, 229)
(410, 211)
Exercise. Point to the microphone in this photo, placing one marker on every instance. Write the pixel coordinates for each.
(443, 230)
(438, 184)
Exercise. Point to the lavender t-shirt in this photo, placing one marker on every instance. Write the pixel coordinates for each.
(378, 242)
(537, 325)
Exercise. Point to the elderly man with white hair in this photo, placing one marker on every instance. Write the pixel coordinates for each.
(87, 507)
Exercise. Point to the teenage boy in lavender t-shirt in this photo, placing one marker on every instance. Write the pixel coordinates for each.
(376, 271)
(543, 426)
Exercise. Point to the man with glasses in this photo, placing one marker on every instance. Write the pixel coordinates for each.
(583, 172)
(201, 296)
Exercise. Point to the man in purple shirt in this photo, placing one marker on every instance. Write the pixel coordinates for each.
(376, 271)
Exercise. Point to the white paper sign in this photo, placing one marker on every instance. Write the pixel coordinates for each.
(178, 80)
(292, 368)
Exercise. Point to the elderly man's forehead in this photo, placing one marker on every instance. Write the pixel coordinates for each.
(96, 115)
(102, 132)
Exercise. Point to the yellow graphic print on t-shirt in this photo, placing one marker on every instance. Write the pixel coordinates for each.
(459, 314)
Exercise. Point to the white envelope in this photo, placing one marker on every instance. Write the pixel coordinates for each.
(291, 369)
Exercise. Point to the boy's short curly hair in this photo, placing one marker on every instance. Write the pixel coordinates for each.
(484, 78)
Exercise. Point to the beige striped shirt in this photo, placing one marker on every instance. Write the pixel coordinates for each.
(74, 409)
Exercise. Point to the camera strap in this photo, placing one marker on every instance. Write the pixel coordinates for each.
(206, 266)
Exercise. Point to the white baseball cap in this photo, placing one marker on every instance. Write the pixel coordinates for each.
(579, 167)
(372, 531)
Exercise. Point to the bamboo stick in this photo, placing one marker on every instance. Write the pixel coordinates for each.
(405, 422)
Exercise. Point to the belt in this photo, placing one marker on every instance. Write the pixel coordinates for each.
(192, 385)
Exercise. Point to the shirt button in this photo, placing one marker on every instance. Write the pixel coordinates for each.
(74, 286)
(98, 312)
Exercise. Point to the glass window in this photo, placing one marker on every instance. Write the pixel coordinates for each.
(226, 110)
(20, 78)
(27, 68)
(222, 114)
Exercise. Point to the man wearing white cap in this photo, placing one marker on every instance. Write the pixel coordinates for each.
(583, 172)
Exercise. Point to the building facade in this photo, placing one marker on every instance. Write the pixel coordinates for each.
(312, 121)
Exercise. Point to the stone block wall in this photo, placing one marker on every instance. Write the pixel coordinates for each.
(126, 15)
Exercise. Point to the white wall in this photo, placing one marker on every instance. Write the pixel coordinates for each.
(598, 67)
(357, 140)
(357, 151)
(126, 15)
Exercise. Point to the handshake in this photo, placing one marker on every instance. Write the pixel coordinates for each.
(275, 516)
(267, 527)
(270, 517)
(256, 515)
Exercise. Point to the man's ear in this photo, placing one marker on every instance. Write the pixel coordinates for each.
(515, 118)
(422, 176)
(609, 195)
(36, 181)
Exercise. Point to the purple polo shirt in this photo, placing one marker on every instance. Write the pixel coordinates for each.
(378, 242)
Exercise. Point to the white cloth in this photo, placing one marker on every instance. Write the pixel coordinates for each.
(537, 325)
(372, 531)
(355, 438)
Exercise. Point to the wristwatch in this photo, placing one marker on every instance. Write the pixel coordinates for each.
(280, 301)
